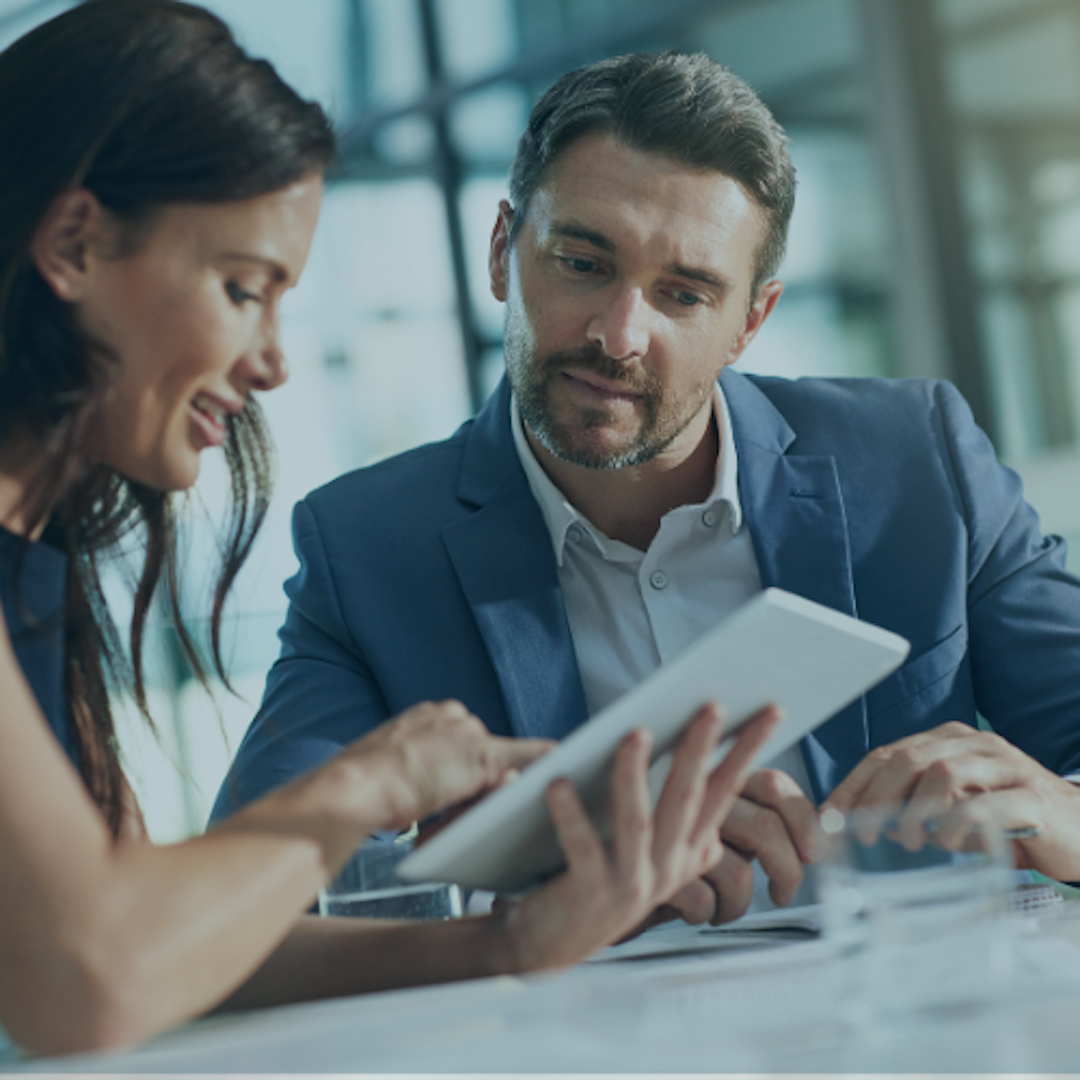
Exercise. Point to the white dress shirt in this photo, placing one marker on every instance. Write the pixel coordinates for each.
(631, 611)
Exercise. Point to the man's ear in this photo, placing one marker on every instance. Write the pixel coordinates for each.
(60, 246)
(760, 310)
(499, 252)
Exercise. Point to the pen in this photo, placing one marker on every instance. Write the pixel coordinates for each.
(1023, 832)
(832, 821)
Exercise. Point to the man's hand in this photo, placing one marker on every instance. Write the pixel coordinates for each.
(773, 822)
(962, 778)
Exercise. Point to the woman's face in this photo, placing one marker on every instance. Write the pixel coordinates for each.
(191, 314)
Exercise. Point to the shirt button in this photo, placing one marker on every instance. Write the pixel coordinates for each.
(658, 579)
(708, 519)
(573, 534)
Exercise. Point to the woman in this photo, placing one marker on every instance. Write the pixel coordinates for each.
(158, 193)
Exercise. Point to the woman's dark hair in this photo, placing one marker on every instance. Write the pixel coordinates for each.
(144, 103)
(683, 106)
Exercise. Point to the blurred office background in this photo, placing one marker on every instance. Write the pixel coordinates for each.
(937, 233)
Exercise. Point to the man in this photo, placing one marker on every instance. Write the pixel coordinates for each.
(624, 490)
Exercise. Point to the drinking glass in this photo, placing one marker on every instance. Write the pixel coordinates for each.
(368, 887)
(924, 932)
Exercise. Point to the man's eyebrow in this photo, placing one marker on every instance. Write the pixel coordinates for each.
(695, 273)
(277, 271)
(574, 231)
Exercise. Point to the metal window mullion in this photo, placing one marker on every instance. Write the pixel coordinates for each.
(935, 293)
(447, 168)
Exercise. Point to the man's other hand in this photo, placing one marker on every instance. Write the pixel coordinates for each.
(961, 778)
(772, 822)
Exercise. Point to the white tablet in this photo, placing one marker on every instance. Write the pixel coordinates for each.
(779, 648)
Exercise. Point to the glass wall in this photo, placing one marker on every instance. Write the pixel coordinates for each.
(1014, 88)
(1013, 98)
(936, 232)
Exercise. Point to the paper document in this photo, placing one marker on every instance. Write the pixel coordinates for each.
(761, 929)
(794, 922)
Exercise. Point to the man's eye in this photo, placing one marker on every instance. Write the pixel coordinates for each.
(686, 299)
(579, 265)
(238, 295)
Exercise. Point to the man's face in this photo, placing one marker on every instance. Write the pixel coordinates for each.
(627, 291)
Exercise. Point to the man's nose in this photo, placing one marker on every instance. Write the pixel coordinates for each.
(622, 327)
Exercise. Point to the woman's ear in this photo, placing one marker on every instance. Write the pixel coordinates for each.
(61, 243)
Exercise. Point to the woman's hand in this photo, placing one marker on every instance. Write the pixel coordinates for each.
(433, 756)
(606, 892)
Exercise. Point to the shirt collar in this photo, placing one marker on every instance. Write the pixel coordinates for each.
(560, 515)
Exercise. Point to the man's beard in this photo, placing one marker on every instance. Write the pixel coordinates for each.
(532, 380)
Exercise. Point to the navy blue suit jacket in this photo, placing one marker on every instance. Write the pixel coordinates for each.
(431, 575)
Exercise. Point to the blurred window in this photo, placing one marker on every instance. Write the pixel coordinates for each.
(393, 338)
(1013, 76)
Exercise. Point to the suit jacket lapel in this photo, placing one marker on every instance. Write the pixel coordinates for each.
(504, 562)
(794, 508)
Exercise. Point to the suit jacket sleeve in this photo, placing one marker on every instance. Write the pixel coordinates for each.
(320, 694)
(1023, 605)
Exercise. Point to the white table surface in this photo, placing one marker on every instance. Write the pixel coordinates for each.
(716, 1008)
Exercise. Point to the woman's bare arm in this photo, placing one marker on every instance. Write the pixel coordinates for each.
(323, 958)
(104, 941)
